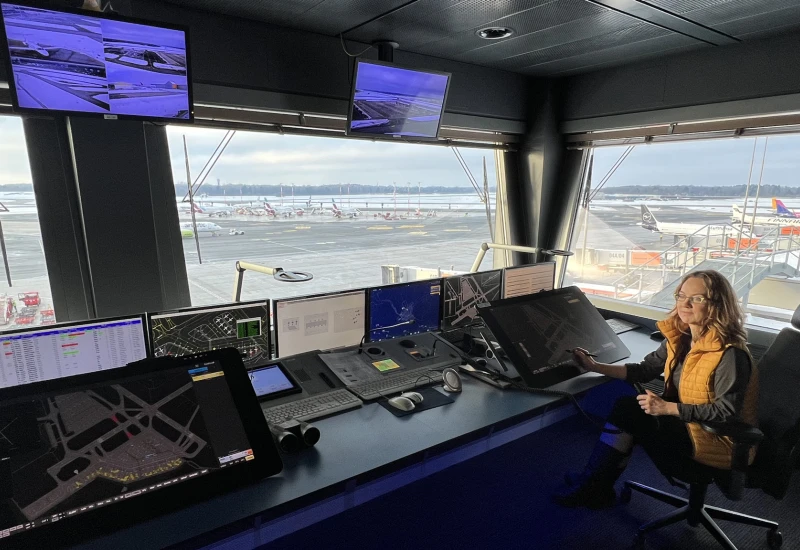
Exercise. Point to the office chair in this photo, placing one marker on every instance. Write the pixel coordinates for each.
(777, 455)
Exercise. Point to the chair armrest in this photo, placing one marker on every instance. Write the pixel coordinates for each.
(740, 432)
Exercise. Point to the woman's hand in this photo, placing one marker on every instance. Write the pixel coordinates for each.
(584, 361)
(655, 406)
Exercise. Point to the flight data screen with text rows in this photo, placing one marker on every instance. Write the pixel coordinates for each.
(56, 352)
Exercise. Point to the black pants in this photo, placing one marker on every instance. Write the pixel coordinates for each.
(665, 438)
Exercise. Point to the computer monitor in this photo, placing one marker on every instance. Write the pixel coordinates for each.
(404, 309)
(395, 102)
(528, 279)
(463, 293)
(79, 61)
(242, 326)
(323, 322)
(537, 332)
(107, 447)
(57, 351)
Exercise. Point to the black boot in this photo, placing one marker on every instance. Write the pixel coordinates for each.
(594, 488)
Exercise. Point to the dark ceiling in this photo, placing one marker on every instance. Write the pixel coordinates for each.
(551, 37)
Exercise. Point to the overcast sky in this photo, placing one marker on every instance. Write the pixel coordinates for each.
(261, 158)
(714, 162)
(255, 158)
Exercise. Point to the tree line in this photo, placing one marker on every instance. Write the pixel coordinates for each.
(780, 191)
(329, 189)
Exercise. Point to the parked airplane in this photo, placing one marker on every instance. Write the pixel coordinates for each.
(203, 229)
(650, 223)
(346, 213)
(782, 211)
(208, 209)
(738, 215)
(282, 211)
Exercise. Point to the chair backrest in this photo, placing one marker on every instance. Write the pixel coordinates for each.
(778, 412)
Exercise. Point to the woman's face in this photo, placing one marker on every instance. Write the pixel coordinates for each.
(689, 312)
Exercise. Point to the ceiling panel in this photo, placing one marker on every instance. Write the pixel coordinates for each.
(576, 32)
(551, 37)
(535, 20)
(738, 18)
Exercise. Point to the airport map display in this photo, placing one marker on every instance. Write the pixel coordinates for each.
(70, 62)
(541, 329)
(394, 101)
(402, 310)
(463, 294)
(245, 328)
(76, 451)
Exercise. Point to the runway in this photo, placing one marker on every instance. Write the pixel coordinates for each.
(340, 253)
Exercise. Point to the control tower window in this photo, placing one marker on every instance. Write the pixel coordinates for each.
(25, 300)
(653, 212)
(354, 213)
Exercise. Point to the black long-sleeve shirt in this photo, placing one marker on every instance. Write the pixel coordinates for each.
(730, 382)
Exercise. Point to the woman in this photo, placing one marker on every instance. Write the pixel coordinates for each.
(709, 376)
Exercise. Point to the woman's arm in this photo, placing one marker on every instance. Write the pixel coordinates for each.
(647, 370)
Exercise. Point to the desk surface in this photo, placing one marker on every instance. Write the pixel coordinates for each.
(346, 454)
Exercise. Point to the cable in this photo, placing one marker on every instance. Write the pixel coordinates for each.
(341, 39)
(542, 391)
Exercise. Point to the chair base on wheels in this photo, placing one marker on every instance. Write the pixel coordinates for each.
(696, 512)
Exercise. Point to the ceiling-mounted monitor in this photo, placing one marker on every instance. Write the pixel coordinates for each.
(395, 102)
(83, 62)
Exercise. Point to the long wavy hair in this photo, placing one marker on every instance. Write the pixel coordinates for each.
(725, 315)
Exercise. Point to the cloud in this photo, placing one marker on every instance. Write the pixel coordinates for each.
(263, 158)
(14, 166)
(704, 163)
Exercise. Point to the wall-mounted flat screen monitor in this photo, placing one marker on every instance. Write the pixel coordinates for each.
(395, 102)
(81, 62)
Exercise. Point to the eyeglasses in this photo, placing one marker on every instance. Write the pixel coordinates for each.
(680, 298)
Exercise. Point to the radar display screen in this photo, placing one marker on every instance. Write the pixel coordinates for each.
(405, 309)
(189, 331)
(91, 446)
(463, 294)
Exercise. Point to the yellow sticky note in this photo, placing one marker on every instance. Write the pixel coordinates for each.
(386, 364)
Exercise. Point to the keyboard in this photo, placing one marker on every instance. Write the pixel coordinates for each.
(310, 408)
(619, 326)
(416, 378)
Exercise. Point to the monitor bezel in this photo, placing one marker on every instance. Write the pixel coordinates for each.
(5, 56)
(367, 329)
(105, 520)
(515, 267)
(499, 271)
(66, 324)
(546, 378)
(276, 363)
(394, 137)
(265, 329)
(276, 301)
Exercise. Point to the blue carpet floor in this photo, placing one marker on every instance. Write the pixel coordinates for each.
(500, 500)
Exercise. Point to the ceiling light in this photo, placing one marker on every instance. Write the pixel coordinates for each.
(495, 33)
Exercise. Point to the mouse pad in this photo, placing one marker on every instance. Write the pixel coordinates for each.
(431, 398)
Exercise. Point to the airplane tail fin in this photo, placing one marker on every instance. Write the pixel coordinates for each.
(197, 209)
(780, 208)
(649, 221)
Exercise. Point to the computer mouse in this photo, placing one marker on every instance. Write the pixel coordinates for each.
(657, 336)
(413, 396)
(402, 403)
(408, 343)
